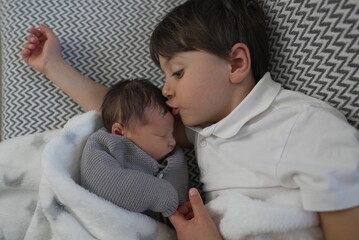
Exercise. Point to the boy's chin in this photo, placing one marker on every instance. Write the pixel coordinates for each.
(188, 122)
(193, 123)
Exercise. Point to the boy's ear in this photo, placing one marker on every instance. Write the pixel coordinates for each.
(118, 129)
(240, 62)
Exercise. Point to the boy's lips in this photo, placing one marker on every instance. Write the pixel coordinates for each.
(174, 110)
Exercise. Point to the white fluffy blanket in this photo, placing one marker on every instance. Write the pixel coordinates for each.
(280, 217)
(40, 198)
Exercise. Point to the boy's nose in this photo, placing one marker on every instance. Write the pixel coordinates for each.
(166, 91)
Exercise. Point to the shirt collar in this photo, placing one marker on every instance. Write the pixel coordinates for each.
(257, 101)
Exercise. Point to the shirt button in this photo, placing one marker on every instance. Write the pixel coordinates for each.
(160, 176)
(203, 143)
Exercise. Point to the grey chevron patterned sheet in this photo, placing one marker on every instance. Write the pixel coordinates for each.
(313, 46)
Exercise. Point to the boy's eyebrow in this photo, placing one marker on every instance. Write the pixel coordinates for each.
(167, 59)
(166, 62)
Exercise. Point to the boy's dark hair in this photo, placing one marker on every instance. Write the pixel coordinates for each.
(213, 26)
(127, 100)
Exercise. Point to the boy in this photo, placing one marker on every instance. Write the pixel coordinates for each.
(214, 57)
(133, 161)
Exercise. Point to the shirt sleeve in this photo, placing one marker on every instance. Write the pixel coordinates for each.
(133, 190)
(321, 158)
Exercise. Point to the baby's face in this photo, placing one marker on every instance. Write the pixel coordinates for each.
(156, 137)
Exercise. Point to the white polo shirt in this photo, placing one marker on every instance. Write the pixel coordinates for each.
(278, 139)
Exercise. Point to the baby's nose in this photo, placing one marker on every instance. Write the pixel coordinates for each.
(172, 142)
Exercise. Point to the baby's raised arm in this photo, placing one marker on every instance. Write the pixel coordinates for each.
(42, 52)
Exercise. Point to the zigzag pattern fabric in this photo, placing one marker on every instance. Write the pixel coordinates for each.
(314, 49)
(313, 46)
(105, 40)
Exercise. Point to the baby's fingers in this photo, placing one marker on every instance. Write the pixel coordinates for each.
(185, 208)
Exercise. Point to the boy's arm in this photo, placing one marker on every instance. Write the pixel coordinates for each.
(341, 224)
(84, 91)
(42, 51)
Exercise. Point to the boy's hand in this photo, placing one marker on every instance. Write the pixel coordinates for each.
(192, 220)
(41, 49)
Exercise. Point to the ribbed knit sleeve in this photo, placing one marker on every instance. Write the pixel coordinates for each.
(176, 172)
(105, 172)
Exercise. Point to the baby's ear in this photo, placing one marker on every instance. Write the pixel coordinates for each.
(118, 129)
(240, 62)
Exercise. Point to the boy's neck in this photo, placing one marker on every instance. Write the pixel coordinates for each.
(241, 90)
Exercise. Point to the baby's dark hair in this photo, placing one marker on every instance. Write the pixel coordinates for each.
(213, 26)
(127, 100)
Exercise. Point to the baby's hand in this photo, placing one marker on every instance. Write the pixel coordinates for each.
(41, 49)
(192, 220)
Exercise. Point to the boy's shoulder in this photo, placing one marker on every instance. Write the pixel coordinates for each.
(270, 95)
(304, 104)
(306, 116)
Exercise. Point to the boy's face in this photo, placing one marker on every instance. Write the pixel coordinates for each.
(198, 87)
(156, 137)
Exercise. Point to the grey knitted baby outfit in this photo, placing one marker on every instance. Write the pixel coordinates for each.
(115, 169)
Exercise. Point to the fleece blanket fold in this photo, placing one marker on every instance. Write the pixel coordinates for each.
(40, 198)
(280, 217)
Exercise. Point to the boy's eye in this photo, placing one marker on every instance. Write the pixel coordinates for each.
(178, 74)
